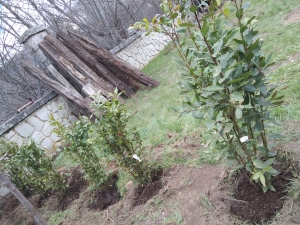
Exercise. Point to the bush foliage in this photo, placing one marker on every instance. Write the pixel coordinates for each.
(224, 69)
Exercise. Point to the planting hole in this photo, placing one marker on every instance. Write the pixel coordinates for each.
(259, 206)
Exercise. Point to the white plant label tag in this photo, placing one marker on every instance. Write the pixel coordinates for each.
(244, 139)
(136, 157)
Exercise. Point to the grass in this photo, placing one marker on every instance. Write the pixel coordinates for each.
(57, 217)
(154, 115)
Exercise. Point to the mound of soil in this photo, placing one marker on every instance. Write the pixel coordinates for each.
(141, 194)
(107, 195)
(253, 204)
(76, 183)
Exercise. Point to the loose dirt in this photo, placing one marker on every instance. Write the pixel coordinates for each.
(254, 205)
(180, 195)
(292, 17)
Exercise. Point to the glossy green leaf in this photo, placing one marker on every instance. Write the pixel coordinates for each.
(265, 189)
(237, 96)
(238, 113)
(226, 12)
(262, 179)
(258, 164)
(205, 28)
(249, 88)
(194, 8)
(186, 25)
(239, 13)
(256, 175)
(174, 15)
(269, 162)
(213, 88)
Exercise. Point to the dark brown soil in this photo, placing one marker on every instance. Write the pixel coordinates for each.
(140, 194)
(258, 206)
(76, 183)
(9, 207)
(106, 196)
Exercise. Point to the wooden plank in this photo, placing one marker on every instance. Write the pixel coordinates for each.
(59, 77)
(75, 73)
(100, 69)
(112, 61)
(68, 69)
(7, 184)
(53, 56)
(71, 95)
(77, 63)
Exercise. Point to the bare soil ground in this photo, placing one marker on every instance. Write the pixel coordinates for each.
(180, 195)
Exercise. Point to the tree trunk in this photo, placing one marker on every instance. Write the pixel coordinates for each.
(6, 183)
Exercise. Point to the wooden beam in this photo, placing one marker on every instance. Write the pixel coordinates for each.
(77, 63)
(71, 95)
(112, 61)
(100, 69)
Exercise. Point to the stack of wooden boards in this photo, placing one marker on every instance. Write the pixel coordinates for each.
(91, 67)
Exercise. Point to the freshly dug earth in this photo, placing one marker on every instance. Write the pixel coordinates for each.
(139, 195)
(106, 196)
(76, 183)
(181, 195)
(258, 206)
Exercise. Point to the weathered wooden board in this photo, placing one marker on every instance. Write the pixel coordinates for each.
(75, 97)
(97, 67)
(77, 63)
(112, 61)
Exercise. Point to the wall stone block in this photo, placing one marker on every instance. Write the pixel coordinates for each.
(43, 113)
(48, 144)
(24, 129)
(73, 119)
(54, 137)
(9, 135)
(36, 123)
(38, 137)
(17, 139)
(47, 130)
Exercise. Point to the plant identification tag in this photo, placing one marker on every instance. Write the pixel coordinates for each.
(244, 139)
(136, 157)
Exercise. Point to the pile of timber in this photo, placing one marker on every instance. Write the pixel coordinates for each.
(91, 67)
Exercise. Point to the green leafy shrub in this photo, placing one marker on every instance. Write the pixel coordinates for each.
(224, 69)
(110, 133)
(29, 168)
(103, 137)
(80, 150)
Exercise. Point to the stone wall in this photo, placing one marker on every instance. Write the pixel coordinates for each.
(37, 126)
(139, 50)
(33, 122)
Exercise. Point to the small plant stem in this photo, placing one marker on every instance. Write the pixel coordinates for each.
(236, 156)
(176, 45)
(237, 132)
(250, 132)
(211, 53)
(207, 44)
(193, 39)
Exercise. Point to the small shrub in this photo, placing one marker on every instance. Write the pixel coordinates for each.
(224, 69)
(80, 150)
(110, 133)
(29, 168)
